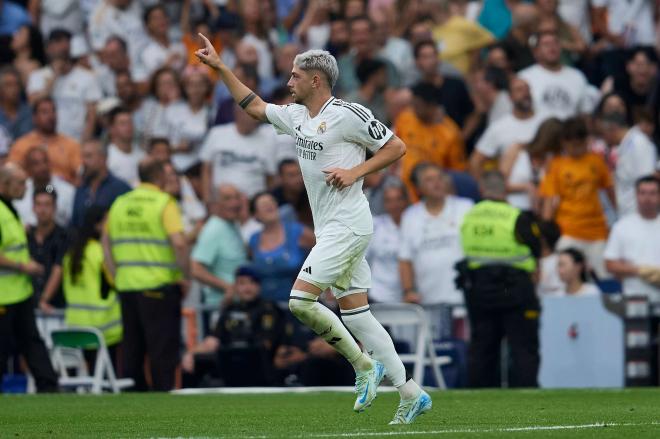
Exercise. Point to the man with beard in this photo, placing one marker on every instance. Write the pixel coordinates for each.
(518, 127)
(63, 151)
(99, 186)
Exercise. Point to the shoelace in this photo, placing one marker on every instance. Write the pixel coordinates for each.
(404, 406)
(360, 382)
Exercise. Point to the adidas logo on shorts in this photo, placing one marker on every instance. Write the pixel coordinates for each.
(308, 270)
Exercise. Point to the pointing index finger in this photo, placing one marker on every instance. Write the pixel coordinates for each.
(206, 40)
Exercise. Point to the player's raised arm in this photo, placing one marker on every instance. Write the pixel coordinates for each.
(244, 97)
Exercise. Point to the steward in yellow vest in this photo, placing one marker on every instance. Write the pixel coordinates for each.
(17, 321)
(501, 245)
(90, 298)
(144, 236)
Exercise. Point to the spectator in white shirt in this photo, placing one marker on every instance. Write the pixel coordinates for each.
(253, 15)
(430, 243)
(383, 251)
(557, 90)
(117, 17)
(629, 22)
(37, 167)
(633, 248)
(160, 51)
(519, 126)
(239, 153)
(124, 154)
(490, 94)
(115, 60)
(150, 120)
(572, 269)
(74, 89)
(188, 123)
(636, 157)
(63, 14)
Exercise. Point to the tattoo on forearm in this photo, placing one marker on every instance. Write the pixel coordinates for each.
(246, 100)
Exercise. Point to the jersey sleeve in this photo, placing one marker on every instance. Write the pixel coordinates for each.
(363, 128)
(280, 117)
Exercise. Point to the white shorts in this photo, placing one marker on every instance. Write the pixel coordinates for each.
(337, 261)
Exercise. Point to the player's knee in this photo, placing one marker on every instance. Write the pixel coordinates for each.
(297, 307)
(301, 308)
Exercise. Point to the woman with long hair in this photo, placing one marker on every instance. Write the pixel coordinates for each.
(574, 273)
(27, 45)
(165, 93)
(15, 113)
(188, 123)
(91, 300)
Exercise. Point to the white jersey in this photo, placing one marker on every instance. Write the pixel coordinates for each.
(336, 138)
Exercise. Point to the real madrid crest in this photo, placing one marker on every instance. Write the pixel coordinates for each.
(322, 128)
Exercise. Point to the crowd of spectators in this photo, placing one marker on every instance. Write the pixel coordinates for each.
(562, 96)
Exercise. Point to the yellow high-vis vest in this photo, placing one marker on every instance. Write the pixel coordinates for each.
(488, 237)
(15, 286)
(141, 249)
(84, 304)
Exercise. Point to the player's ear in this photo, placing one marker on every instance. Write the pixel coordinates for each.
(316, 81)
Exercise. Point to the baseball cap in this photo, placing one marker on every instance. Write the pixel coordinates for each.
(249, 271)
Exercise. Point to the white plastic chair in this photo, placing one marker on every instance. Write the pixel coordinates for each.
(67, 346)
(413, 316)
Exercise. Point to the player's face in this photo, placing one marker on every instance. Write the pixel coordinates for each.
(300, 84)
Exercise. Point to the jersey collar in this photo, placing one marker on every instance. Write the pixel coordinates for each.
(328, 102)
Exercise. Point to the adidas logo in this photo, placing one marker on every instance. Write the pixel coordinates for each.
(334, 340)
(298, 127)
(308, 270)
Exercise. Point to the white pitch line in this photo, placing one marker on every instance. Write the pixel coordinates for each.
(395, 432)
(481, 431)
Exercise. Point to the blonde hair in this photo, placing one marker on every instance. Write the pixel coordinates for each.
(320, 60)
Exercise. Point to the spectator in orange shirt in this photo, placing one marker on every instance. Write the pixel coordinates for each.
(429, 135)
(63, 151)
(571, 195)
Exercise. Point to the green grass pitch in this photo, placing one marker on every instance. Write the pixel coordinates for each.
(534, 414)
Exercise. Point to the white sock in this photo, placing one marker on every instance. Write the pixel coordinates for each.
(326, 324)
(409, 390)
(378, 343)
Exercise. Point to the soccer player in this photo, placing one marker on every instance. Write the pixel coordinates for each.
(331, 137)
